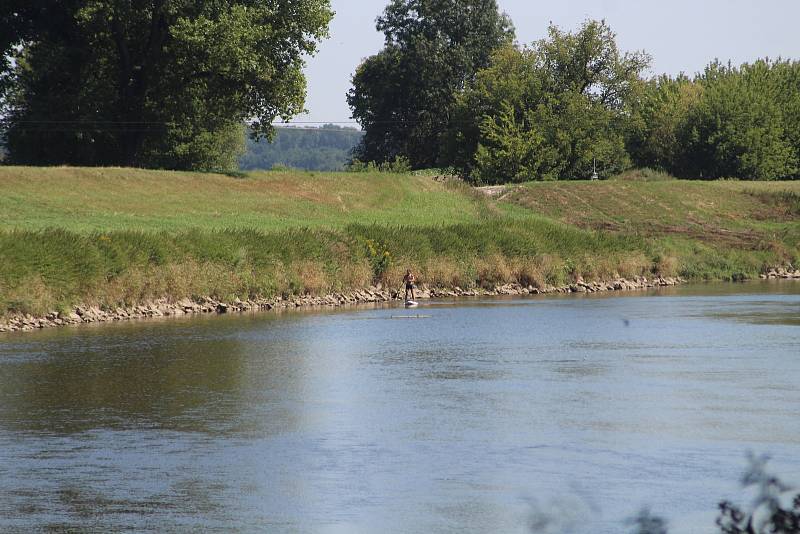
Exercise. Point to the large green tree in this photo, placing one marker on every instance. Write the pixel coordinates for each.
(660, 132)
(163, 83)
(741, 127)
(403, 96)
(728, 122)
(550, 110)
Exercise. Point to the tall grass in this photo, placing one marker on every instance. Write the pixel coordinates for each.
(54, 269)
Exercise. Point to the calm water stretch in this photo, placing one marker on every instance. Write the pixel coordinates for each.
(485, 417)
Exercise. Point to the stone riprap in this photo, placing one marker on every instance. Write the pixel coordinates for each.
(784, 274)
(208, 305)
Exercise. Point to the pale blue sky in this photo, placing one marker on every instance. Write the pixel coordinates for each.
(681, 35)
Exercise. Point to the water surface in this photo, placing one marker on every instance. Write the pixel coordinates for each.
(482, 417)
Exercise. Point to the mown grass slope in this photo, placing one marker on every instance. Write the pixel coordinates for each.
(108, 199)
(116, 237)
(715, 229)
(716, 212)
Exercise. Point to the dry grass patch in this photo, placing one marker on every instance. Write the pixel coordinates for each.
(632, 265)
(31, 296)
(666, 266)
(444, 272)
(392, 276)
(355, 275)
(602, 268)
(493, 270)
(311, 277)
(528, 272)
(187, 280)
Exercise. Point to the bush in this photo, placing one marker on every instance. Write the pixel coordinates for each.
(400, 165)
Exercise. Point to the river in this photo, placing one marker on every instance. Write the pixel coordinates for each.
(485, 415)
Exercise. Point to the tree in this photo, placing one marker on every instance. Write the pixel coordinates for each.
(787, 89)
(737, 128)
(660, 132)
(164, 83)
(403, 96)
(484, 109)
(728, 122)
(550, 110)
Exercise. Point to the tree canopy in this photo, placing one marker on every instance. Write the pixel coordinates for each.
(549, 110)
(451, 89)
(403, 96)
(161, 83)
(727, 122)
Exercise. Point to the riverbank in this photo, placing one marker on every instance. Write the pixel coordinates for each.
(209, 305)
(111, 239)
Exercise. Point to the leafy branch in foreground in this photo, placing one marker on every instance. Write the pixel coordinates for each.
(775, 510)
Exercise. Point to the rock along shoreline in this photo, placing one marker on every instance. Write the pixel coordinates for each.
(208, 305)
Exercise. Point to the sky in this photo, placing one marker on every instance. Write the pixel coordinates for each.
(680, 35)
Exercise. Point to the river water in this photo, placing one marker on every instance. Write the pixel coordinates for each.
(486, 416)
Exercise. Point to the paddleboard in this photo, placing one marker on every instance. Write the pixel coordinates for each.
(411, 304)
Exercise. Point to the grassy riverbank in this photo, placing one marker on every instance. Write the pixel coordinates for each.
(113, 237)
(718, 230)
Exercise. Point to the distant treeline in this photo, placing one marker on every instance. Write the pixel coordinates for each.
(451, 88)
(316, 149)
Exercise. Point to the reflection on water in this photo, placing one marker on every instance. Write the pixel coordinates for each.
(349, 421)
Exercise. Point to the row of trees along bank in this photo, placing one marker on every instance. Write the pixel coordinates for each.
(169, 84)
(451, 88)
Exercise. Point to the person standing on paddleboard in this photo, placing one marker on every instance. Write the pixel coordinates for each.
(409, 280)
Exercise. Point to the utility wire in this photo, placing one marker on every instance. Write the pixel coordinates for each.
(149, 126)
(165, 123)
(159, 126)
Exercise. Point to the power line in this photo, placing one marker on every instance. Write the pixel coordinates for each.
(166, 123)
(315, 122)
(85, 121)
(148, 126)
(50, 125)
(65, 127)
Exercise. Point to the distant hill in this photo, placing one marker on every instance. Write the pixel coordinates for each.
(315, 149)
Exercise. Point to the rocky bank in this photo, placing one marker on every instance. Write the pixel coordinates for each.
(208, 305)
(782, 273)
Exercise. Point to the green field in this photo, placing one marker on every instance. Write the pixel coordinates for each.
(122, 236)
(102, 200)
